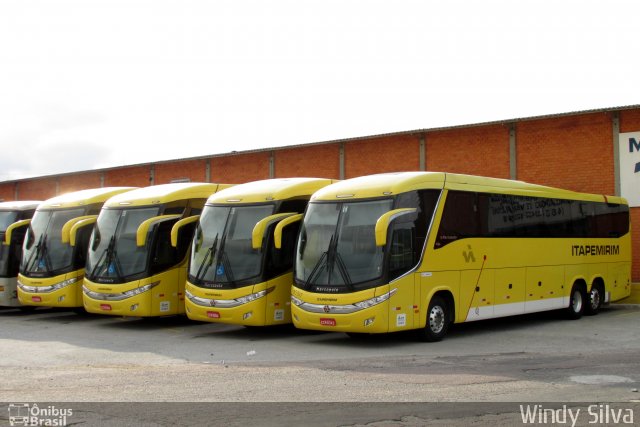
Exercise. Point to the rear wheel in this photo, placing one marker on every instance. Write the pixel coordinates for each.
(438, 320)
(595, 300)
(576, 303)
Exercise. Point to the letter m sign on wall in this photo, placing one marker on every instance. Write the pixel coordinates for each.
(630, 167)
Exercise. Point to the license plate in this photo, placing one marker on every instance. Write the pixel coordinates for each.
(213, 314)
(105, 307)
(36, 299)
(328, 322)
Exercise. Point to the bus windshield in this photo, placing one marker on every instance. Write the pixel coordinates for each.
(113, 252)
(6, 219)
(222, 255)
(44, 252)
(336, 246)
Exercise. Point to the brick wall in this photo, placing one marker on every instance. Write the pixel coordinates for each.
(574, 152)
(239, 168)
(194, 170)
(317, 161)
(7, 191)
(78, 181)
(476, 151)
(630, 122)
(37, 189)
(382, 154)
(133, 176)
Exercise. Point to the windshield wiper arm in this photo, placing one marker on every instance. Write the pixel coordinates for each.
(104, 254)
(209, 256)
(343, 271)
(316, 268)
(34, 255)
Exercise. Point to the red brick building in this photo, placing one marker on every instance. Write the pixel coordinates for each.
(577, 151)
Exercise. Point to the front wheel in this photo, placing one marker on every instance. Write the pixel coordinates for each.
(438, 320)
(576, 303)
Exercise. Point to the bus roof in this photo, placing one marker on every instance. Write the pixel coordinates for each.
(82, 197)
(389, 184)
(270, 189)
(19, 205)
(165, 193)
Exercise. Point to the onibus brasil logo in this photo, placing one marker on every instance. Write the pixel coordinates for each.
(25, 414)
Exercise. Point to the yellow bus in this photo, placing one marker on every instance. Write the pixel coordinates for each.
(55, 248)
(240, 269)
(423, 250)
(138, 253)
(14, 220)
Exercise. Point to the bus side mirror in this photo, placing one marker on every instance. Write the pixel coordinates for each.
(143, 228)
(11, 227)
(258, 230)
(178, 225)
(71, 227)
(382, 224)
(277, 233)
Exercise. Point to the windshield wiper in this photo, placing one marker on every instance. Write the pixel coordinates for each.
(35, 255)
(316, 268)
(209, 256)
(104, 255)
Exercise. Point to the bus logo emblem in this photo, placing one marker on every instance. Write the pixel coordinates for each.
(326, 309)
(468, 256)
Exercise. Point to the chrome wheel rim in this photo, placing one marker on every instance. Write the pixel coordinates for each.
(595, 298)
(436, 319)
(577, 301)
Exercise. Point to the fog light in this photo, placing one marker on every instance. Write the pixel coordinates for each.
(369, 321)
(295, 316)
(60, 299)
(247, 315)
(134, 307)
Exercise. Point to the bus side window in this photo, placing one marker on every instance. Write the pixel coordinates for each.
(459, 219)
(163, 255)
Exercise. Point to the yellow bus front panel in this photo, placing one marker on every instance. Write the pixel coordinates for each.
(159, 295)
(364, 311)
(64, 290)
(263, 304)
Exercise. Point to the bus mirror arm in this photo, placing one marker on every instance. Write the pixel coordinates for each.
(71, 227)
(261, 226)
(178, 225)
(383, 223)
(11, 227)
(277, 233)
(78, 225)
(143, 228)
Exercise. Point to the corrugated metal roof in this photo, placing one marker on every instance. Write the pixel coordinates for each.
(342, 140)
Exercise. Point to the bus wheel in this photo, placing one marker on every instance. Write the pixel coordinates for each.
(595, 301)
(576, 303)
(437, 320)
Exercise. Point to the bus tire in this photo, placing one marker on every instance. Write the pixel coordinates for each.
(438, 320)
(594, 302)
(577, 303)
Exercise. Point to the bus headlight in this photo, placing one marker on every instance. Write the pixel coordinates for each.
(227, 303)
(51, 288)
(296, 301)
(375, 300)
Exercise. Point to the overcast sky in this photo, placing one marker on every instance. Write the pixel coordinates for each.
(87, 84)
